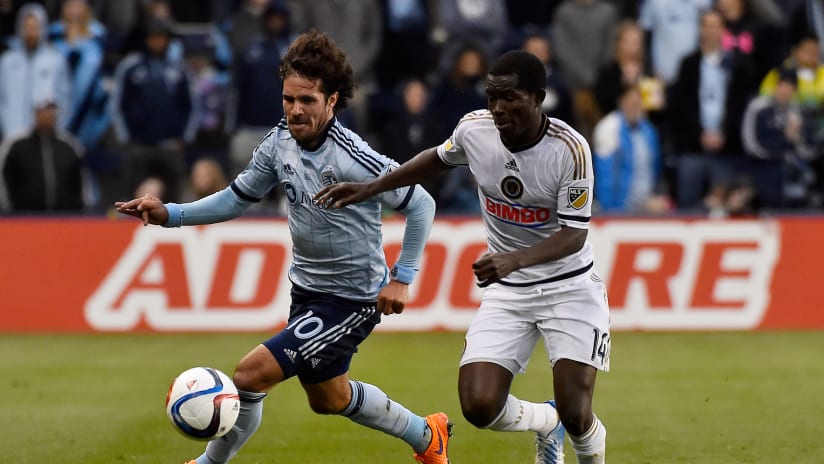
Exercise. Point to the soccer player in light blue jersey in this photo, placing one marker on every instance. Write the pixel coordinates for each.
(341, 283)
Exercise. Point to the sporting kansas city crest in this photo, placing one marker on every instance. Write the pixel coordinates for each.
(577, 197)
(327, 176)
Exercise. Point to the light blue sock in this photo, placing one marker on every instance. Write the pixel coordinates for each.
(221, 450)
(371, 407)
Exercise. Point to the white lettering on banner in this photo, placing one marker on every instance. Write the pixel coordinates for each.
(223, 277)
(687, 275)
(667, 274)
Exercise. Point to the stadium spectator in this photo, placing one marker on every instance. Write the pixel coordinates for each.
(806, 18)
(31, 70)
(749, 36)
(242, 26)
(256, 89)
(709, 98)
(774, 135)
(153, 111)
(207, 177)
(43, 170)
(558, 101)
(538, 271)
(414, 127)
(152, 185)
(805, 62)
(340, 281)
(80, 37)
(406, 52)
(482, 22)
(672, 28)
(628, 68)
(583, 33)
(461, 89)
(211, 89)
(119, 18)
(356, 26)
(153, 12)
(627, 160)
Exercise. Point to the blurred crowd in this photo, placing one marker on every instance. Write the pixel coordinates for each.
(711, 107)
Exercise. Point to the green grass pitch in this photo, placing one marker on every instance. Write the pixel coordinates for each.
(670, 398)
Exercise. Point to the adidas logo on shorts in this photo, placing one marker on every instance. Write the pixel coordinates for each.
(290, 353)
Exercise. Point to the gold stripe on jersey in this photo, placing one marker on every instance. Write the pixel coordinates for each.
(576, 149)
(475, 117)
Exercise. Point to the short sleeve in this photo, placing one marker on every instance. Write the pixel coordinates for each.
(451, 151)
(576, 184)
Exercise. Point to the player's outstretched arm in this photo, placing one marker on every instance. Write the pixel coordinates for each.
(418, 169)
(148, 208)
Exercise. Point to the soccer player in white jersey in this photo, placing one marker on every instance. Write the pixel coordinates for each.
(341, 284)
(535, 183)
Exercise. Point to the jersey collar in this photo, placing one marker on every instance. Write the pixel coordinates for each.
(538, 138)
(322, 138)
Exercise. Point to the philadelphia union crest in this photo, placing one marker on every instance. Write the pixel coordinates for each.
(512, 187)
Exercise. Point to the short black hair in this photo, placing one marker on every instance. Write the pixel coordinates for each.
(529, 69)
(314, 55)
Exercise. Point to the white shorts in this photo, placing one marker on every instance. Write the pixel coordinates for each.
(573, 319)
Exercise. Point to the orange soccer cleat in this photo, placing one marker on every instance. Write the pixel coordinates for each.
(441, 428)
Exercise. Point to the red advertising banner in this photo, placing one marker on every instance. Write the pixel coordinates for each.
(79, 275)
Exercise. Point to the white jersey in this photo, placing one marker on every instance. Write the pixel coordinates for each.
(526, 195)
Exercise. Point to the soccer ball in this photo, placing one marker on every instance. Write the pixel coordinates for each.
(203, 403)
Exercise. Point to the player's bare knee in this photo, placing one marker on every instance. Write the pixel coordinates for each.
(577, 419)
(327, 405)
(248, 379)
(480, 411)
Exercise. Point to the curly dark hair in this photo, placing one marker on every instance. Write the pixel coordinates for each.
(314, 55)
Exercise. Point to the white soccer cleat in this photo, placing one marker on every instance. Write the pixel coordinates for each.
(550, 446)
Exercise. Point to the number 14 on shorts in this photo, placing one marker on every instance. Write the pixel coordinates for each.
(600, 347)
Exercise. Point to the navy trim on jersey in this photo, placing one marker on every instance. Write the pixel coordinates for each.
(528, 145)
(567, 217)
(406, 198)
(563, 276)
(363, 158)
(243, 195)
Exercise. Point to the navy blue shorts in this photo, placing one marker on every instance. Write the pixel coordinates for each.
(322, 335)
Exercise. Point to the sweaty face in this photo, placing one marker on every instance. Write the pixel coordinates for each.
(307, 109)
(516, 112)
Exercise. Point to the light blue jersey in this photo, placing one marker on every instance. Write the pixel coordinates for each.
(337, 251)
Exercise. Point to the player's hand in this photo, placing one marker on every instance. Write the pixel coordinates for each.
(342, 194)
(148, 208)
(392, 298)
(492, 267)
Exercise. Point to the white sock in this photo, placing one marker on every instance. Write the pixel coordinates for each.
(591, 447)
(221, 450)
(520, 416)
(371, 407)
